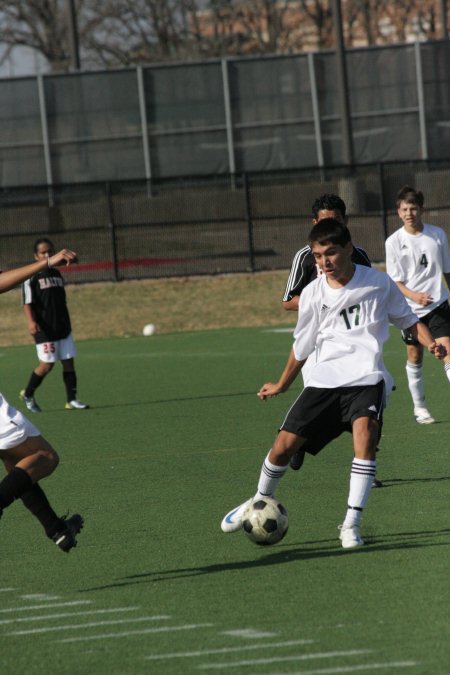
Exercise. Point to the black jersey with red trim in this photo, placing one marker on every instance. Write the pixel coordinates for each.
(47, 297)
(304, 269)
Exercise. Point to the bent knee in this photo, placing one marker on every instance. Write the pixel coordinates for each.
(49, 458)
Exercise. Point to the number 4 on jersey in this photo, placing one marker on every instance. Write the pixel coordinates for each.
(423, 260)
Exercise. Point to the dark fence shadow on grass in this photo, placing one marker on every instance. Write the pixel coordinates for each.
(180, 399)
(392, 542)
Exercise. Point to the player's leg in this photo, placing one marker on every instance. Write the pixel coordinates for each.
(67, 353)
(366, 432)
(362, 476)
(35, 381)
(414, 374)
(28, 458)
(273, 469)
(301, 421)
(446, 342)
(439, 325)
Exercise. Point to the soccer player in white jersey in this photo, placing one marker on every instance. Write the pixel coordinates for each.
(343, 322)
(304, 269)
(27, 456)
(417, 259)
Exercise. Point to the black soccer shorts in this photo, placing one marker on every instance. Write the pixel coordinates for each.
(438, 321)
(321, 415)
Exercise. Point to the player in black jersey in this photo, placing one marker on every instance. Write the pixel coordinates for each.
(27, 456)
(304, 270)
(44, 301)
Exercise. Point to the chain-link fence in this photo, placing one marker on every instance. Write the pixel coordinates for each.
(233, 223)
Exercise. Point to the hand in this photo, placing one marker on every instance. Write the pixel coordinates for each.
(423, 299)
(269, 390)
(438, 350)
(66, 255)
(33, 328)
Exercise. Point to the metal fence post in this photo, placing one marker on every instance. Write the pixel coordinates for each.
(249, 219)
(45, 138)
(228, 116)
(383, 201)
(144, 123)
(421, 101)
(315, 108)
(112, 230)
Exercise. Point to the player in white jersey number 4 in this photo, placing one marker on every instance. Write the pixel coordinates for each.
(343, 322)
(417, 259)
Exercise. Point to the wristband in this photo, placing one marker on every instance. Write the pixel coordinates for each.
(48, 263)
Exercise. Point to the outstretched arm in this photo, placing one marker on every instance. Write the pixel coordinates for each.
(423, 299)
(421, 333)
(290, 372)
(12, 278)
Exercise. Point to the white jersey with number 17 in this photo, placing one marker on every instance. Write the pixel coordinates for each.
(341, 331)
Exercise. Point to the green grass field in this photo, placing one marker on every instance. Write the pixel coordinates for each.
(175, 438)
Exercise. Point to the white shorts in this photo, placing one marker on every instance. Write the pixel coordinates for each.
(60, 350)
(14, 427)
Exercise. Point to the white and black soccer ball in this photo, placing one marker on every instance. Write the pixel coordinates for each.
(265, 521)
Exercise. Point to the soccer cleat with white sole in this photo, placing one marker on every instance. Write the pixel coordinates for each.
(350, 536)
(76, 405)
(65, 539)
(233, 520)
(30, 403)
(423, 416)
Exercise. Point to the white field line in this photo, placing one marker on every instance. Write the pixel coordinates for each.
(65, 615)
(43, 597)
(281, 659)
(55, 604)
(227, 650)
(354, 669)
(6, 590)
(248, 633)
(90, 624)
(145, 631)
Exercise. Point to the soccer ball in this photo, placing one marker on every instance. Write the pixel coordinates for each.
(149, 329)
(265, 521)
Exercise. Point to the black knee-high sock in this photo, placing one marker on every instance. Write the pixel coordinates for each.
(13, 486)
(70, 381)
(33, 384)
(37, 503)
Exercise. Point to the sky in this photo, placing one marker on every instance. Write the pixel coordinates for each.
(23, 61)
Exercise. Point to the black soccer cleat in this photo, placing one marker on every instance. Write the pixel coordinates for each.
(65, 538)
(297, 460)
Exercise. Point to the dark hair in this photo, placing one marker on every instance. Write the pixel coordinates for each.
(329, 231)
(328, 202)
(410, 195)
(42, 240)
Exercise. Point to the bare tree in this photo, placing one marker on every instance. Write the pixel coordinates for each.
(123, 32)
(320, 14)
(41, 25)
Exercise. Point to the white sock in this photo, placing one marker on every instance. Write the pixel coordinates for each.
(415, 383)
(270, 476)
(361, 479)
(447, 370)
